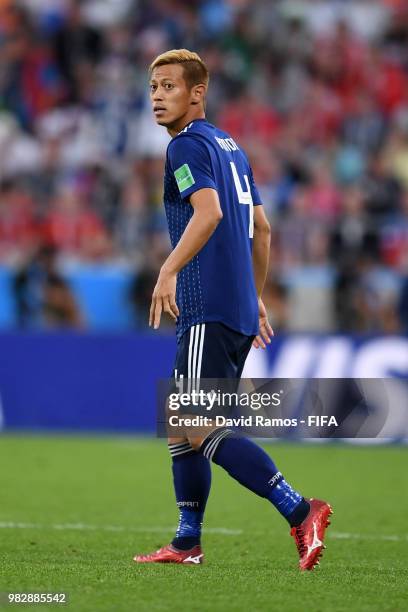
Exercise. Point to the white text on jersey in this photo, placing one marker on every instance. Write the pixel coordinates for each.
(227, 144)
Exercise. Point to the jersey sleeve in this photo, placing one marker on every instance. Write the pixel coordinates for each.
(256, 198)
(190, 163)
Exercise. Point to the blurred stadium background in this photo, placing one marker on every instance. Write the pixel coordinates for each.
(317, 92)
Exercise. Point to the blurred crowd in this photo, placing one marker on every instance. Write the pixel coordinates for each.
(315, 91)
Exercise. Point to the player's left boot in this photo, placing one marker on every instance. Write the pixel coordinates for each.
(169, 554)
(309, 535)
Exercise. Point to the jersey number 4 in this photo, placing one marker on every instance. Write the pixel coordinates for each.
(244, 197)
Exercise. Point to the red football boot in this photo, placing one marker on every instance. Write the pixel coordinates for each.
(169, 554)
(309, 535)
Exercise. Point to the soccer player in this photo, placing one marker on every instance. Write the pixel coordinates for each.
(211, 285)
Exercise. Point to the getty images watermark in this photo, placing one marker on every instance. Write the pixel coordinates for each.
(283, 408)
(214, 401)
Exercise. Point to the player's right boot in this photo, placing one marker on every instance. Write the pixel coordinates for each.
(309, 535)
(169, 554)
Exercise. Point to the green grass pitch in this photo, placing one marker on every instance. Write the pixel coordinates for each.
(74, 510)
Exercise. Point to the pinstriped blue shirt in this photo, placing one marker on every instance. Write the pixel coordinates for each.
(218, 283)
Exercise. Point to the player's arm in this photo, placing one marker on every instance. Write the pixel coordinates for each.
(207, 214)
(260, 248)
(260, 260)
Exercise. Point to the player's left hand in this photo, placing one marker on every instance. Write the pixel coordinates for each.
(164, 298)
(265, 329)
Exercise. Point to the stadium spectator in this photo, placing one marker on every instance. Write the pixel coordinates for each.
(72, 228)
(31, 82)
(316, 91)
(42, 295)
(77, 49)
(18, 228)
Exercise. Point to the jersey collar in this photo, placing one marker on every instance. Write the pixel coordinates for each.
(189, 125)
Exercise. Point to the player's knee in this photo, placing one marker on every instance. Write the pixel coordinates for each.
(195, 442)
(196, 438)
(171, 441)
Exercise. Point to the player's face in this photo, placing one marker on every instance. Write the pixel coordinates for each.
(170, 97)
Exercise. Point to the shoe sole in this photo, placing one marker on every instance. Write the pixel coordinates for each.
(168, 562)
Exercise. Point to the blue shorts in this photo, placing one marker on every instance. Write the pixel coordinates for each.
(211, 350)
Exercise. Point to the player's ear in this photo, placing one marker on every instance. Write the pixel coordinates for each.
(198, 93)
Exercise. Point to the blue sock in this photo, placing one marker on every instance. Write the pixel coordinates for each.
(289, 502)
(252, 467)
(192, 482)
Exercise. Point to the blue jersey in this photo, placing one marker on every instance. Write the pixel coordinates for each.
(218, 283)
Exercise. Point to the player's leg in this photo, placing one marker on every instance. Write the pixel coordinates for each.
(244, 460)
(191, 473)
(191, 470)
(252, 467)
(192, 482)
(204, 351)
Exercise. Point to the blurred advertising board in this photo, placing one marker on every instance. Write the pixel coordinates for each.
(108, 382)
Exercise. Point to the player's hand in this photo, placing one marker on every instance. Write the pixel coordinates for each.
(164, 298)
(265, 329)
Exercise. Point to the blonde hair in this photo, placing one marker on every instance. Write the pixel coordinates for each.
(195, 71)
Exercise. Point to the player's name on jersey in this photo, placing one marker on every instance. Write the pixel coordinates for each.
(257, 420)
(227, 144)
